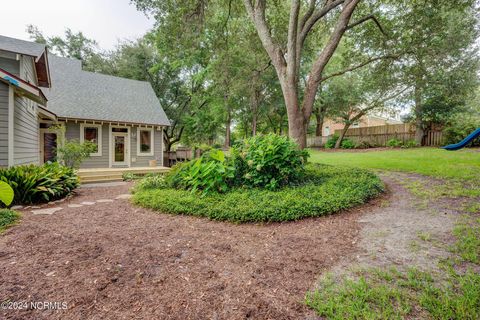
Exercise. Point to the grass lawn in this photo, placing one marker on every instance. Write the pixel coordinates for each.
(462, 165)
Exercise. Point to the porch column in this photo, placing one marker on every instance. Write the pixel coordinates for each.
(11, 124)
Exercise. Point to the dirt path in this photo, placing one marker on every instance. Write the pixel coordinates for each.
(402, 231)
(111, 260)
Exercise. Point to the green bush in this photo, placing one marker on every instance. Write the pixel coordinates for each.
(364, 145)
(330, 144)
(347, 144)
(394, 143)
(324, 190)
(72, 153)
(460, 128)
(151, 182)
(211, 172)
(7, 218)
(409, 144)
(269, 161)
(34, 184)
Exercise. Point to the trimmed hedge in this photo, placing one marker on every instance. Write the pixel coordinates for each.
(7, 218)
(325, 190)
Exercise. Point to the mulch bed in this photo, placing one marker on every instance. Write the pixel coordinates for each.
(116, 261)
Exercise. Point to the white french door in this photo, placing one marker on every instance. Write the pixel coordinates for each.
(120, 146)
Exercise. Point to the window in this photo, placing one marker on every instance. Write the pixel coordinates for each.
(355, 125)
(92, 133)
(327, 131)
(145, 141)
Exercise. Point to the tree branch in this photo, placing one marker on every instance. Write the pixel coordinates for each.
(317, 15)
(367, 18)
(358, 66)
(315, 74)
(292, 41)
(257, 15)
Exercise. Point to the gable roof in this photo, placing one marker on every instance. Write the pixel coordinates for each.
(28, 48)
(35, 50)
(78, 94)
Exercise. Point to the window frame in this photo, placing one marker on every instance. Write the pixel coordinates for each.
(152, 144)
(99, 137)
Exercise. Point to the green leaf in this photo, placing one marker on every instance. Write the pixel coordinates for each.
(6, 193)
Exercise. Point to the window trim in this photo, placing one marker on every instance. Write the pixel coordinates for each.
(99, 130)
(152, 135)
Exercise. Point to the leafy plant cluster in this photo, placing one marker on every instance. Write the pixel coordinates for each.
(268, 161)
(346, 143)
(7, 218)
(72, 152)
(324, 190)
(212, 172)
(35, 184)
(460, 128)
(396, 143)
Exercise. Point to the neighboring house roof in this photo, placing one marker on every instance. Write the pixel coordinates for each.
(78, 94)
(36, 50)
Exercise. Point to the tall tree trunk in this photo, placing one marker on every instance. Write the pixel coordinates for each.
(419, 125)
(338, 143)
(296, 119)
(228, 123)
(254, 124)
(320, 116)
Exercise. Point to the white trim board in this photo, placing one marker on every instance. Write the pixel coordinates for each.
(152, 142)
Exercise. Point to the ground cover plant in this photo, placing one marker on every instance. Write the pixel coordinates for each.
(34, 184)
(265, 179)
(7, 218)
(326, 190)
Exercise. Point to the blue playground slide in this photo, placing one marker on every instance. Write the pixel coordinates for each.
(464, 142)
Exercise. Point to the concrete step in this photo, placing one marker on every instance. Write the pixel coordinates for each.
(100, 179)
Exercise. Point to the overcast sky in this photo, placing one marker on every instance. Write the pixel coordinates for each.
(103, 20)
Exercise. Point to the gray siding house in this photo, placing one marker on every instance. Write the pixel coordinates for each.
(40, 92)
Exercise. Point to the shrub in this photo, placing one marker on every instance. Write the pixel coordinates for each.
(394, 143)
(347, 144)
(7, 218)
(410, 144)
(324, 190)
(460, 128)
(33, 184)
(330, 144)
(72, 153)
(211, 172)
(364, 145)
(150, 182)
(269, 161)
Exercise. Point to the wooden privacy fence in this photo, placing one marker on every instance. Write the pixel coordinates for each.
(380, 135)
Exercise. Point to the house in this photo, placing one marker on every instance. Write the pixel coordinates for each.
(330, 125)
(40, 91)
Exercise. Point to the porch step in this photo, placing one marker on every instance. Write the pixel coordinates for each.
(100, 179)
(115, 174)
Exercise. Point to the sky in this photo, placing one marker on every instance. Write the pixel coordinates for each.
(105, 21)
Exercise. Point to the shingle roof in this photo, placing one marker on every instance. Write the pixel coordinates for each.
(21, 46)
(79, 94)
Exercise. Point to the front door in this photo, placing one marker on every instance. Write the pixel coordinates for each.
(48, 146)
(120, 148)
